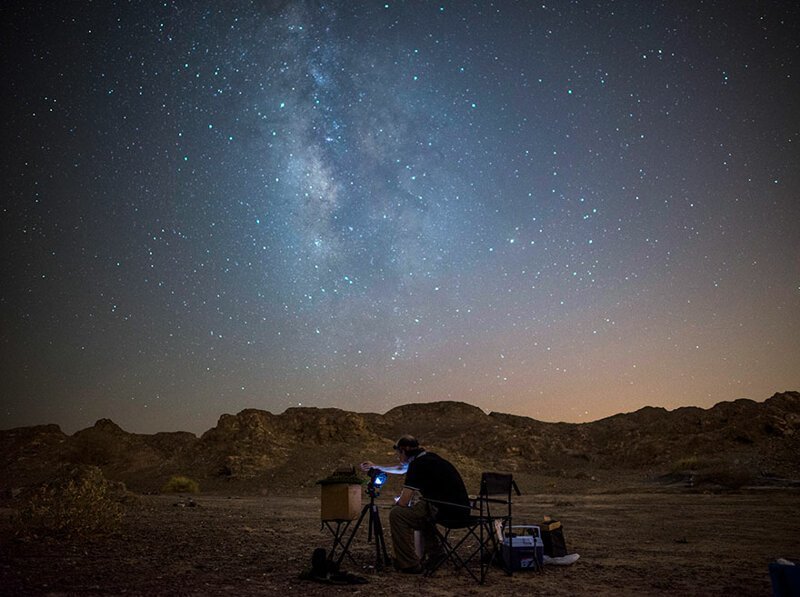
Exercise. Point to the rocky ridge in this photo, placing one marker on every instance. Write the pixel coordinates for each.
(734, 443)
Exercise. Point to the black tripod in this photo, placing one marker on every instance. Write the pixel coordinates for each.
(375, 527)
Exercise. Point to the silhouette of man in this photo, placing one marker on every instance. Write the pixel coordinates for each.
(435, 479)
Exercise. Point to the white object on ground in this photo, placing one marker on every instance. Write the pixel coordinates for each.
(563, 560)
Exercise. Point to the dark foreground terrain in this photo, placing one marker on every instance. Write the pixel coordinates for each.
(630, 543)
(683, 502)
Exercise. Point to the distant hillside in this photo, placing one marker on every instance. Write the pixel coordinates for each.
(732, 443)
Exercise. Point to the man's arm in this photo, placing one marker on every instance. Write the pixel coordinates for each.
(393, 469)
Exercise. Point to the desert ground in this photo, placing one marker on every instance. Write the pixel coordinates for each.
(631, 542)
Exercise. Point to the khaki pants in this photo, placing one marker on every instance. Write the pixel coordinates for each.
(403, 521)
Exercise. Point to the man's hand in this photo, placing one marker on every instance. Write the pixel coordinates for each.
(366, 465)
(405, 497)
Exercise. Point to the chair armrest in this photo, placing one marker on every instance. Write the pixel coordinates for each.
(491, 500)
(443, 503)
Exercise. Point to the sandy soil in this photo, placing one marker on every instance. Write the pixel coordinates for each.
(629, 543)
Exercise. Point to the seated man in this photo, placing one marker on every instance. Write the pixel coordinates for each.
(435, 479)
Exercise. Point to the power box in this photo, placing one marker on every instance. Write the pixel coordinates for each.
(522, 549)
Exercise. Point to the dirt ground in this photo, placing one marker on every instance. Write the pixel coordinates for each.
(671, 543)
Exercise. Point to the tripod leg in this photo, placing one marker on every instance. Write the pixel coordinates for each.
(380, 541)
(346, 548)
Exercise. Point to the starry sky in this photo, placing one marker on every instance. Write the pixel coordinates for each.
(562, 210)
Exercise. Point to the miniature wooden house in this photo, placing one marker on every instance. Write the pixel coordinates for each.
(341, 495)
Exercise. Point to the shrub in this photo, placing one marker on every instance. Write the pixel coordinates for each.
(727, 476)
(710, 471)
(690, 463)
(180, 484)
(80, 501)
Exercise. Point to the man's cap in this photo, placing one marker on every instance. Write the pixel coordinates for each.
(407, 441)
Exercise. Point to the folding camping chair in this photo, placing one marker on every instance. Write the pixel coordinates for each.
(481, 538)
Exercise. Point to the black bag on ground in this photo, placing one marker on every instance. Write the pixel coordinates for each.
(321, 567)
(553, 538)
(324, 570)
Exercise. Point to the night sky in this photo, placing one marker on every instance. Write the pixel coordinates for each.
(562, 210)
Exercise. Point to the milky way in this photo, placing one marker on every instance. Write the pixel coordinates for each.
(560, 210)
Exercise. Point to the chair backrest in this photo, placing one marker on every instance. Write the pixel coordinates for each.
(493, 484)
(494, 500)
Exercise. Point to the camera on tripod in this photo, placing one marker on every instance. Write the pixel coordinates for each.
(376, 480)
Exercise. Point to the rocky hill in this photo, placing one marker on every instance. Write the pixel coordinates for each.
(730, 444)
